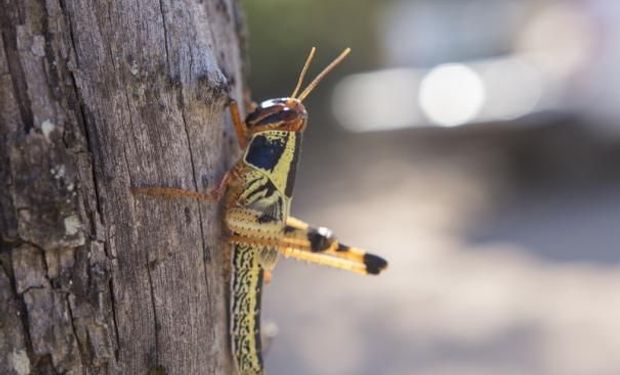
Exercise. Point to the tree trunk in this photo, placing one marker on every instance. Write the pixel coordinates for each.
(96, 98)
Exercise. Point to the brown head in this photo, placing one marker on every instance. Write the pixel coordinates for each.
(289, 114)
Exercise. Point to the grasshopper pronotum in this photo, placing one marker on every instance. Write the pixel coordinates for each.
(257, 194)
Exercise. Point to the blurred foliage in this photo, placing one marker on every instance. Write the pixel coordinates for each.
(281, 33)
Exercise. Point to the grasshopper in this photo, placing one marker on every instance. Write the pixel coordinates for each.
(257, 195)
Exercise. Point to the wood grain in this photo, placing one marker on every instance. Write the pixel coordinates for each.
(97, 97)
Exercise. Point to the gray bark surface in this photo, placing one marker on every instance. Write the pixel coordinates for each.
(95, 98)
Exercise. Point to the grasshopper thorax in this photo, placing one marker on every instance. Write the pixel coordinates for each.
(287, 114)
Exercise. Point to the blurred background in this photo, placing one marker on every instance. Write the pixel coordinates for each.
(473, 143)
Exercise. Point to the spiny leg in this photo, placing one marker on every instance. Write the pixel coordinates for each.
(175, 193)
(249, 222)
(172, 193)
(254, 223)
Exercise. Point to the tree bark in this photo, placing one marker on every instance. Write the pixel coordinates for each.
(96, 98)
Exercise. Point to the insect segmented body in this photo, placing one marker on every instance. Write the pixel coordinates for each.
(257, 194)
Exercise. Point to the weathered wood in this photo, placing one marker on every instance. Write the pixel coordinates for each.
(97, 97)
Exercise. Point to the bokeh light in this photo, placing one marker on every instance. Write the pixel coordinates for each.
(451, 94)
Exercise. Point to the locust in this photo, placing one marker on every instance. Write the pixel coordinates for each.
(256, 196)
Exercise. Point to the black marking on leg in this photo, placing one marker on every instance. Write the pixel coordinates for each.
(320, 238)
(342, 248)
(374, 264)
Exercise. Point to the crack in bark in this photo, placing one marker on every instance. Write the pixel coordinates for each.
(110, 44)
(191, 158)
(82, 118)
(51, 69)
(165, 29)
(73, 328)
(96, 193)
(152, 293)
(73, 46)
(16, 70)
(22, 313)
(83, 114)
(114, 319)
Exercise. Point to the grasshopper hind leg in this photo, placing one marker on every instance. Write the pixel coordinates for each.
(331, 253)
(321, 240)
(374, 263)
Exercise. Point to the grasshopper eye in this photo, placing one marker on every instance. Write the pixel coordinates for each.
(264, 110)
(278, 114)
(285, 115)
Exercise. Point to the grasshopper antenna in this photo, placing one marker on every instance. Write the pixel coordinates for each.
(321, 75)
(303, 71)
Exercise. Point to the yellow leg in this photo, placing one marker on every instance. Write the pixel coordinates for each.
(323, 260)
(302, 235)
(303, 252)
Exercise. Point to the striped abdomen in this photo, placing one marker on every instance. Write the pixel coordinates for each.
(246, 288)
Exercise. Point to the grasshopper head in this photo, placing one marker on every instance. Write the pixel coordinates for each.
(287, 114)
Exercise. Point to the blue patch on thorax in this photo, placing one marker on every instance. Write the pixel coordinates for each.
(264, 153)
